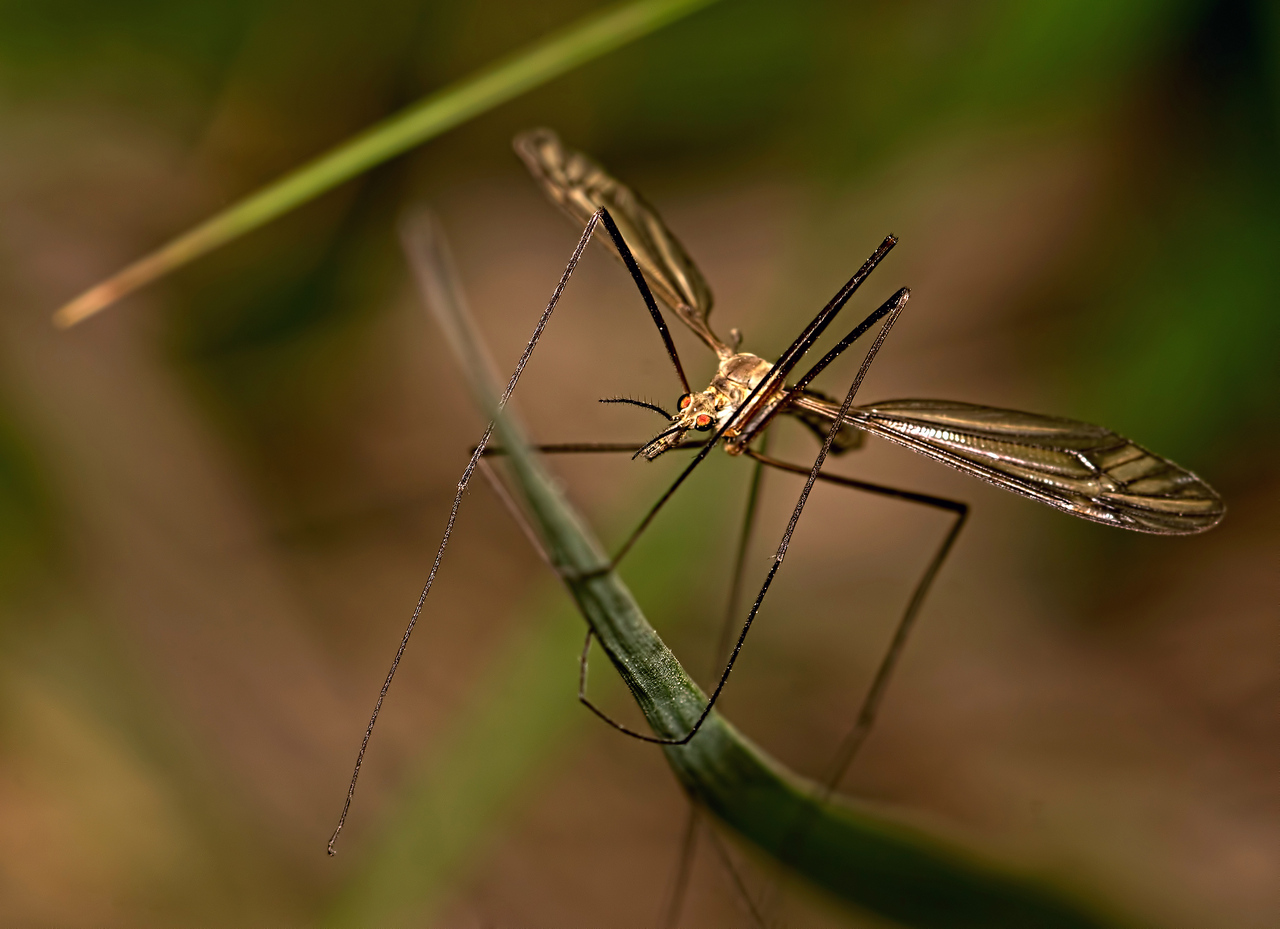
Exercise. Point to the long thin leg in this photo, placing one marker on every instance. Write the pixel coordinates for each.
(684, 865)
(753, 910)
(791, 357)
(436, 275)
(517, 514)
(893, 305)
(662, 501)
(894, 302)
(740, 561)
(870, 706)
(438, 280)
(693, 824)
(688, 848)
(788, 359)
(643, 286)
(569, 448)
(888, 664)
(875, 693)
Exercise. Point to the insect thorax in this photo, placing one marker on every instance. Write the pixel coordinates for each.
(738, 376)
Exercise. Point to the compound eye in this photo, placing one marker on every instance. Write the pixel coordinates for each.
(703, 422)
(684, 401)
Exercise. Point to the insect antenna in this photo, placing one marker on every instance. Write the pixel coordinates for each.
(643, 403)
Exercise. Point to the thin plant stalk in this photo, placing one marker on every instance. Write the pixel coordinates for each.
(589, 38)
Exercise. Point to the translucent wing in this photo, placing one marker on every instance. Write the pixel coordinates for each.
(579, 186)
(1081, 469)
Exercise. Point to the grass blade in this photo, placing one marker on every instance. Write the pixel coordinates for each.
(866, 856)
(546, 59)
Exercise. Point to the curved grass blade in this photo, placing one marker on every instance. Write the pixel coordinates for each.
(866, 856)
(589, 38)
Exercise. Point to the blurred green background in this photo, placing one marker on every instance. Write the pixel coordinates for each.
(218, 500)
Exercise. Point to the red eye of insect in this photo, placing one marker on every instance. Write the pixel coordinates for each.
(703, 422)
(685, 401)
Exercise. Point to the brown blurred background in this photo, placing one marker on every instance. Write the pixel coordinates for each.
(219, 500)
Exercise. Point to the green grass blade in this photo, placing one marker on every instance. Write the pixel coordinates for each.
(589, 38)
(867, 857)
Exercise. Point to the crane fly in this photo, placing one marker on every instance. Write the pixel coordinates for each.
(1082, 469)
(1078, 468)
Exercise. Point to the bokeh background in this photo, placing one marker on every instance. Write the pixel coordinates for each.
(219, 500)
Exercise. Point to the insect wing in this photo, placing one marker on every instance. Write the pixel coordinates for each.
(579, 186)
(1079, 468)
